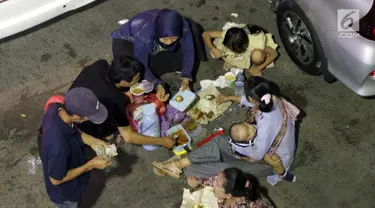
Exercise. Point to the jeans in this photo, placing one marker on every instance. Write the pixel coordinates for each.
(67, 204)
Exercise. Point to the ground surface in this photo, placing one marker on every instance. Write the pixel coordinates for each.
(334, 162)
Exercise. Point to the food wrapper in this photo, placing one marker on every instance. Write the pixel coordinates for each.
(205, 110)
(34, 163)
(202, 198)
(106, 151)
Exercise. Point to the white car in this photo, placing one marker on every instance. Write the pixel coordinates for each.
(20, 15)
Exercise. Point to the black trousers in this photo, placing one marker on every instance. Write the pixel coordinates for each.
(166, 61)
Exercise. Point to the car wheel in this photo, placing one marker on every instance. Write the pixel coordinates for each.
(299, 38)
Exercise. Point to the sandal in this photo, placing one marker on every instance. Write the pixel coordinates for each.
(173, 172)
(162, 173)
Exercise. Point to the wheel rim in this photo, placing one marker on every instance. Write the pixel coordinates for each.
(298, 37)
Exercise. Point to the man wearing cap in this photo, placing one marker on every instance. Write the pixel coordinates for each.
(64, 167)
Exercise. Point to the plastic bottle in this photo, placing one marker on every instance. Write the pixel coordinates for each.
(239, 84)
(150, 124)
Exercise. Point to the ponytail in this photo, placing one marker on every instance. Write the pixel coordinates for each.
(239, 184)
(252, 192)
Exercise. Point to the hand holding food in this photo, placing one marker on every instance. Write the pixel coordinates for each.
(169, 141)
(99, 163)
(185, 84)
(160, 93)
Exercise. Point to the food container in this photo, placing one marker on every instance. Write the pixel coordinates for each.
(137, 91)
(188, 98)
(230, 78)
(184, 148)
(147, 86)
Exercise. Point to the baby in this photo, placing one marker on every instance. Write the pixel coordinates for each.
(244, 134)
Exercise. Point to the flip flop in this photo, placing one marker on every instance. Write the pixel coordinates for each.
(158, 172)
(175, 172)
(161, 173)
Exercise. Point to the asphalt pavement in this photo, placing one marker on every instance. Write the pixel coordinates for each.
(334, 161)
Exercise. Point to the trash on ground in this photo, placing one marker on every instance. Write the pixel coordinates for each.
(34, 163)
(234, 15)
(121, 22)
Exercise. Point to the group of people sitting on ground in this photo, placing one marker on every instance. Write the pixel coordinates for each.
(149, 45)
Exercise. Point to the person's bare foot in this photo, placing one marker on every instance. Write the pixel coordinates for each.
(227, 66)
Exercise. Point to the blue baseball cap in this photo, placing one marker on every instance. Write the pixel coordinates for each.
(83, 102)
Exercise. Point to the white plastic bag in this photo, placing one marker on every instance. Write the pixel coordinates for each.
(34, 163)
(204, 198)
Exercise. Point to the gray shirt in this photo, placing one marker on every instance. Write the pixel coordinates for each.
(268, 126)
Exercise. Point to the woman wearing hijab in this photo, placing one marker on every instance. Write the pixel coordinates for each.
(163, 41)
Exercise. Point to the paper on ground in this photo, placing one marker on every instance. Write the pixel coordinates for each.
(121, 22)
(219, 82)
(205, 197)
(234, 15)
(229, 25)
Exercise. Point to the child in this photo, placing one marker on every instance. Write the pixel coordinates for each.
(236, 43)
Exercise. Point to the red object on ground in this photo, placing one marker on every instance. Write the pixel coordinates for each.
(209, 138)
(54, 99)
(149, 98)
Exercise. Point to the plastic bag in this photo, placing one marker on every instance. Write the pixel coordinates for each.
(34, 163)
(201, 198)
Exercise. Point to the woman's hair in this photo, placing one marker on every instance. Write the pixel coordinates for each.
(256, 87)
(124, 69)
(236, 181)
(236, 40)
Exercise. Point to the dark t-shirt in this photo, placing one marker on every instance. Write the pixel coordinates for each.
(61, 150)
(94, 77)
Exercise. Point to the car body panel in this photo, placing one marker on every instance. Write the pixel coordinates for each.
(20, 15)
(350, 60)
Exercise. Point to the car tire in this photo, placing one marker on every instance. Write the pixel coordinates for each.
(315, 64)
